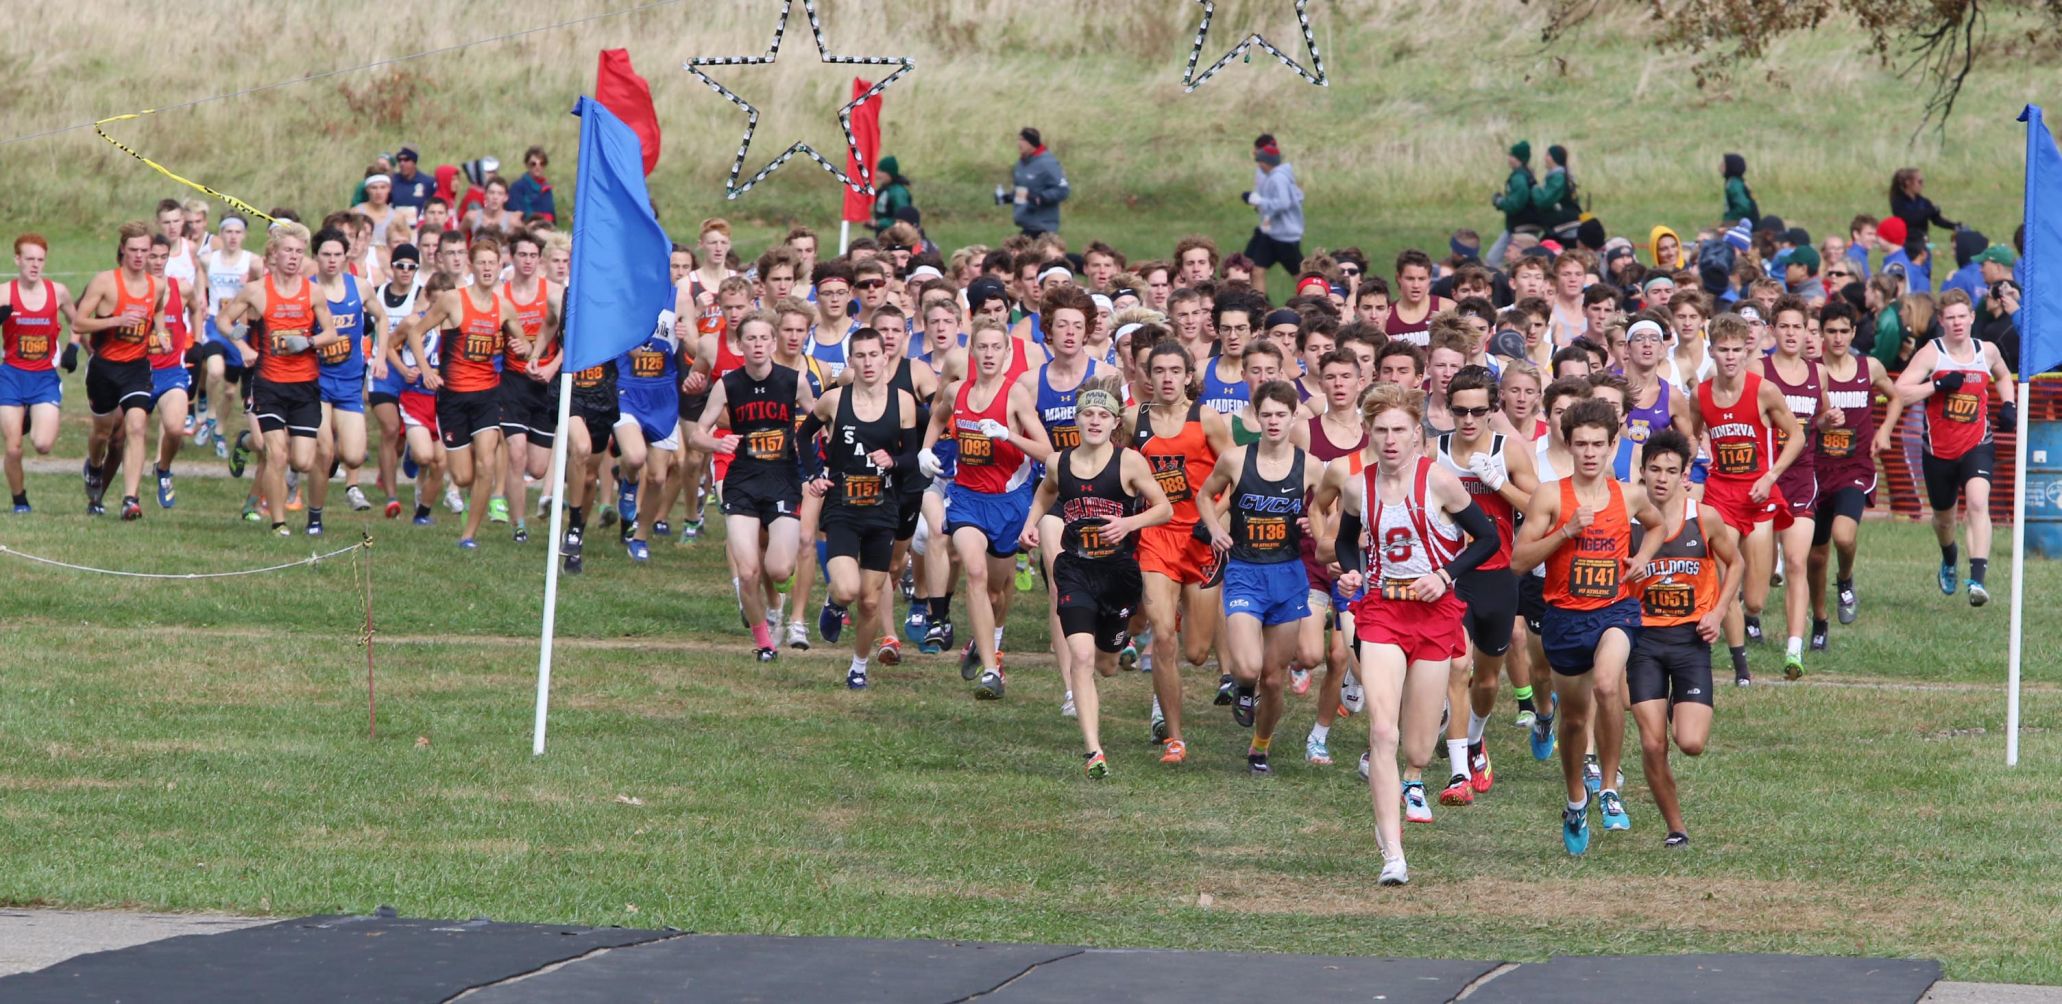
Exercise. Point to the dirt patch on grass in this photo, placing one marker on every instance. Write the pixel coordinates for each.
(15, 783)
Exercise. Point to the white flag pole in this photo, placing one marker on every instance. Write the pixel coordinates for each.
(2018, 578)
(844, 235)
(551, 562)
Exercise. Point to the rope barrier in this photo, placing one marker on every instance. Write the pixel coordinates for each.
(309, 560)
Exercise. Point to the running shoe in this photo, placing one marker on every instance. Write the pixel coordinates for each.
(1677, 839)
(917, 625)
(240, 455)
(282, 531)
(1394, 872)
(409, 469)
(1158, 727)
(1754, 635)
(205, 434)
(314, 526)
(691, 530)
(909, 583)
(187, 428)
(1127, 657)
(1479, 772)
(626, 501)
(1978, 595)
(1592, 774)
(1575, 829)
(200, 404)
(356, 497)
(522, 533)
(990, 687)
(1226, 690)
(1743, 677)
(1949, 580)
(1257, 765)
(1352, 697)
(661, 528)
(1095, 765)
(132, 510)
(1025, 581)
(1458, 791)
(1525, 718)
(497, 510)
(421, 518)
(1819, 630)
(393, 508)
(95, 487)
(167, 496)
(855, 678)
(936, 639)
(468, 544)
(888, 651)
(1243, 707)
(543, 507)
(1299, 681)
(629, 530)
(21, 508)
(1415, 808)
(1793, 667)
(1614, 811)
(293, 499)
(767, 654)
(969, 663)
(571, 550)
(221, 448)
(798, 636)
(639, 550)
(1366, 770)
(1174, 751)
(452, 500)
(1315, 752)
(1542, 738)
(608, 517)
(1067, 708)
(1849, 605)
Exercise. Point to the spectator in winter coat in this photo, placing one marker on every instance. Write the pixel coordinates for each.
(1908, 202)
(1040, 186)
(1739, 199)
(531, 193)
(1515, 201)
(1554, 200)
(891, 193)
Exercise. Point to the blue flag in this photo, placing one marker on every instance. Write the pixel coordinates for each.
(2040, 311)
(620, 280)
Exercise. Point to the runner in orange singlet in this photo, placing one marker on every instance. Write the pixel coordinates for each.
(290, 325)
(119, 310)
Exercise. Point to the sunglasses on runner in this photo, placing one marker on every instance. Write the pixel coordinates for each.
(870, 283)
(1472, 412)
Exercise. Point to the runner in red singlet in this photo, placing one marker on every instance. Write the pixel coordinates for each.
(1846, 460)
(1955, 374)
(1735, 411)
(30, 391)
(170, 384)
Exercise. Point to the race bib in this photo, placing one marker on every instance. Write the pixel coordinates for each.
(647, 364)
(33, 348)
(1173, 475)
(1593, 578)
(1837, 444)
(975, 450)
(862, 489)
(334, 353)
(1672, 600)
(1397, 589)
(1963, 407)
(1092, 543)
(1266, 533)
(767, 444)
(1737, 457)
(1065, 437)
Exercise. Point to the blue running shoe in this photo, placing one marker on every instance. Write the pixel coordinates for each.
(661, 528)
(21, 508)
(423, 519)
(1543, 738)
(468, 544)
(855, 679)
(1614, 811)
(639, 550)
(918, 625)
(1575, 829)
(1948, 579)
(626, 501)
(409, 469)
(166, 496)
(830, 622)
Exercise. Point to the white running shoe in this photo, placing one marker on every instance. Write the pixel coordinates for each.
(1395, 872)
(1416, 808)
(1067, 705)
(1351, 694)
(798, 635)
(356, 496)
(452, 500)
(1365, 770)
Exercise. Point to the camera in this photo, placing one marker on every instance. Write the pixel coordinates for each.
(1002, 195)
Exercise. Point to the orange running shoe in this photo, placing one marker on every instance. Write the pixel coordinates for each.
(1478, 768)
(1174, 751)
(888, 651)
(1458, 792)
(293, 500)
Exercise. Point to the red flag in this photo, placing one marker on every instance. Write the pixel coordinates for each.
(866, 132)
(628, 97)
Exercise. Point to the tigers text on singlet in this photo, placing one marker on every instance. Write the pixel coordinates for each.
(471, 349)
(1739, 434)
(286, 316)
(1264, 530)
(1584, 573)
(1682, 580)
(1085, 505)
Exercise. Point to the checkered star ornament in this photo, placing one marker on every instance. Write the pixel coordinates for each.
(1314, 74)
(864, 184)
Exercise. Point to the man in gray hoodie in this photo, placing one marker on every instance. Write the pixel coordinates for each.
(1041, 185)
(1278, 240)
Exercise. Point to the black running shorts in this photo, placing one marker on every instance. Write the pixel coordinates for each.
(1945, 478)
(1492, 599)
(1671, 664)
(1097, 598)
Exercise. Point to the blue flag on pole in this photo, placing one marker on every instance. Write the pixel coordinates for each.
(2040, 311)
(620, 279)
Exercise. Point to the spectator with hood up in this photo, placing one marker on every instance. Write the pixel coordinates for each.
(1739, 199)
(1665, 249)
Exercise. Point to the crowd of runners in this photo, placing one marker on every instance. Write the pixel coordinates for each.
(1574, 468)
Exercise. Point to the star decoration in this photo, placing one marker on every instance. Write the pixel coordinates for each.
(1315, 74)
(863, 184)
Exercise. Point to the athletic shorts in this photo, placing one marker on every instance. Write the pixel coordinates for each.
(600, 420)
(526, 409)
(1570, 637)
(654, 411)
(1700, 470)
(866, 538)
(1670, 663)
(219, 344)
(1097, 597)
(1344, 607)
(1491, 596)
(999, 517)
(463, 415)
(342, 392)
(387, 387)
(295, 408)
(1945, 478)
(910, 513)
(166, 380)
(419, 411)
(112, 387)
(1172, 550)
(692, 406)
(1729, 497)
(376, 398)
(1532, 601)
(1273, 592)
(1426, 632)
(1267, 252)
(762, 499)
(1850, 502)
(28, 388)
(1799, 487)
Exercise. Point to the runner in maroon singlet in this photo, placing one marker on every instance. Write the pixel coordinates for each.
(1846, 460)
(1337, 434)
(1804, 391)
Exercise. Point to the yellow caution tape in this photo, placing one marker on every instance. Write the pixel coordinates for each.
(232, 200)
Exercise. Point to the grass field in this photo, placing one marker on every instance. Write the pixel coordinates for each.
(1404, 145)
(201, 746)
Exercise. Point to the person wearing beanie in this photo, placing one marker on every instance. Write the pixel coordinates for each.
(1275, 196)
(1554, 200)
(1968, 275)
(1739, 199)
(1515, 201)
(1902, 251)
(1040, 185)
(891, 193)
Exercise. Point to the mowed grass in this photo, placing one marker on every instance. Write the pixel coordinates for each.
(201, 745)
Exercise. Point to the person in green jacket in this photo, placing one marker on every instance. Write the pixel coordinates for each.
(891, 193)
(1515, 201)
(1739, 199)
(1554, 202)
